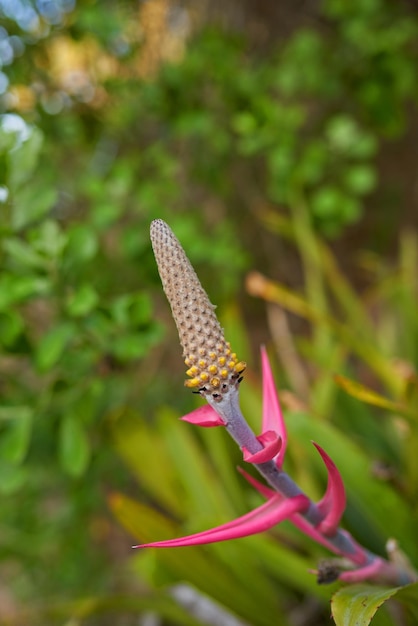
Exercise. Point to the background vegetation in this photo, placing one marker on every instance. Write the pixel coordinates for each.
(279, 143)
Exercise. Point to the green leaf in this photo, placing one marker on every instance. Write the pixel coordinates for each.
(24, 157)
(82, 301)
(13, 477)
(244, 123)
(330, 201)
(312, 163)
(155, 603)
(360, 179)
(342, 133)
(145, 452)
(50, 239)
(356, 605)
(104, 214)
(81, 244)
(15, 289)
(365, 147)
(132, 309)
(15, 439)
(74, 447)
(30, 203)
(52, 345)
(22, 253)
(191, 465)
(8, 139)
(11, 325)
(129, 346)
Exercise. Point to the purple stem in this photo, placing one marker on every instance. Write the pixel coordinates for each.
(228, 408)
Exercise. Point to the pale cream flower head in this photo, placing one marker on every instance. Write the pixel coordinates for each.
(213, 368)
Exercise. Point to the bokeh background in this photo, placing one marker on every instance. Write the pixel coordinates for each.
(279, 141)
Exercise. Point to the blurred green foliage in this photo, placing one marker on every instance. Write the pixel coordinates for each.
(99, 134)
(61, 317)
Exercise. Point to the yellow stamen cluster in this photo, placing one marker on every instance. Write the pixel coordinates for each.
(212, 367)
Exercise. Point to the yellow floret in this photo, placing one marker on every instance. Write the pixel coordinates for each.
(194, 382)
(240, 367)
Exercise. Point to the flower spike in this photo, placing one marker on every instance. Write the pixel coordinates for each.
(213, 368)
(215, 374)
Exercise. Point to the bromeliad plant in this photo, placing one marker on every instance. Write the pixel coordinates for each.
(215, 373)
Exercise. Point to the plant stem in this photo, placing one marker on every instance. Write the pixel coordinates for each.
(341, 541)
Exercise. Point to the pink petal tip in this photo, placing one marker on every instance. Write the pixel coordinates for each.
(333, 503)
(204, 416)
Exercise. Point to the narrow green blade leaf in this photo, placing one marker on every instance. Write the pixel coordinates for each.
(364, 394)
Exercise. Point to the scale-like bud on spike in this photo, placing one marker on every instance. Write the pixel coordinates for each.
(212, 367)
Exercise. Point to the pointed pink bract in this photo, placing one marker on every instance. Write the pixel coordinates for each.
(364, 573)
(296, 519)
(203, 416)
(259, 520)
(272, 413)
(271, 443)
(333, 503)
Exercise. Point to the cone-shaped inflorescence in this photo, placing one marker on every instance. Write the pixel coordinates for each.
(215, 373)
(212, 367)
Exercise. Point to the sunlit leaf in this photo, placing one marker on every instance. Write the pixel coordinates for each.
(356, 605)
(82, 300)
